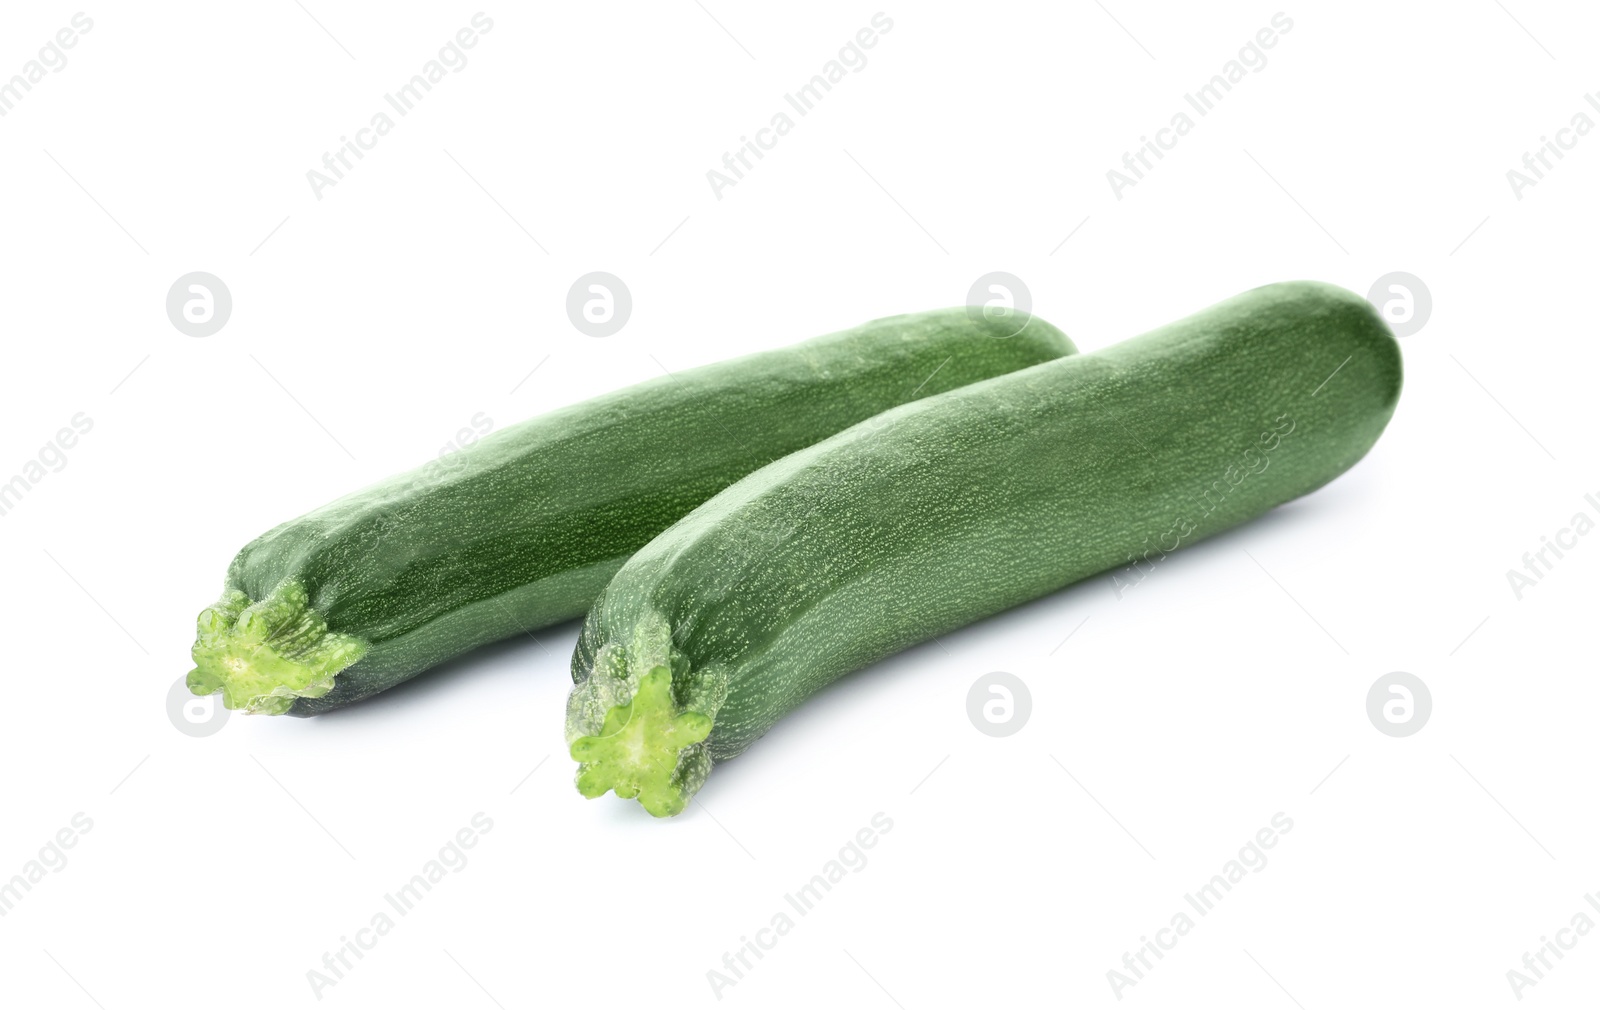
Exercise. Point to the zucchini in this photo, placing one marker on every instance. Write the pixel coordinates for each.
(523, 528)
(947, 510)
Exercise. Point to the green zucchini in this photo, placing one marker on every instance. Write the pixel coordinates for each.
(947, 510)
(523, 528)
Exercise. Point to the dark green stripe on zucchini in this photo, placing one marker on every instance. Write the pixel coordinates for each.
(522, 529)
(947, 510)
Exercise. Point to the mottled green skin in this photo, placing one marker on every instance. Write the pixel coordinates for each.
(524, 528)
(944, 511)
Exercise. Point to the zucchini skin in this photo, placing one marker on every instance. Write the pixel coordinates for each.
(524, 528)
(953, 508)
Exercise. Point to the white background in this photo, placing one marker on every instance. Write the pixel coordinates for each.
(368, 326)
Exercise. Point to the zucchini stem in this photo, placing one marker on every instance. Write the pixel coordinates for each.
(637, 723)
(263, 655)
(637, 752)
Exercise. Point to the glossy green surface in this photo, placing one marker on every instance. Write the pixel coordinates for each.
(941, 512)
(522, 529)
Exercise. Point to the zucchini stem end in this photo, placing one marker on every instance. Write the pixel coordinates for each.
(263, 655)
(639, 750)
(638, 721)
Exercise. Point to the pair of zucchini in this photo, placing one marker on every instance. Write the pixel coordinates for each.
(748, 533)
